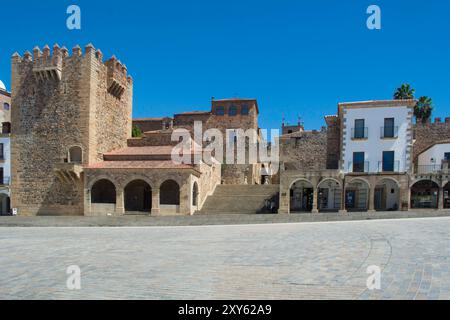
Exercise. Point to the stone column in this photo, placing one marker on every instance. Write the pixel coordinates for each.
(120, 205)
(405, 197)
(87, 202)
(372, 199)
(155, 201)
(441, 198)
(284, 203)
(315, 201)
(343, 209)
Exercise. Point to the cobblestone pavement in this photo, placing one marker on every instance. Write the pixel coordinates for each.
(280, 261)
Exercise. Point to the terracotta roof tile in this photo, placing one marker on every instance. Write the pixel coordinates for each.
(167, 164)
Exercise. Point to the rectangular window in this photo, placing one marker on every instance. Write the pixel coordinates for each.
(359, 129)
(244, 110)
(220, 110)
(232, 111)
(358, 161)
(447, 156)
(388, 161)
(389, 131)
(2, 180)
(2, 156)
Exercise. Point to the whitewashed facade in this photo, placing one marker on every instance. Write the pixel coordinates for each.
(376, 136)
(5, 150)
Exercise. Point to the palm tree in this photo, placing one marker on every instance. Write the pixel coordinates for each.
(405, 92)
(423, 109)
(136, 132)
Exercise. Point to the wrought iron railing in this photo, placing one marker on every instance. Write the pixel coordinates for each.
(428, 169)
(389, 132)
(360, 133)
(359, 167)
(388, 166)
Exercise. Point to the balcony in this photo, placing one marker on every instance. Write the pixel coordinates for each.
(388, 166)
(360, 133)
(69, 172)
(359, 167)
(5, 181)
(429, 169)
(389, 132)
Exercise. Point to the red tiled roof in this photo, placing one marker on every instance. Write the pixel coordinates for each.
(164, 164)
(193, 113)
(146, 150)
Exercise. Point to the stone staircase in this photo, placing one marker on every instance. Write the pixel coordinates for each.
(239, 199)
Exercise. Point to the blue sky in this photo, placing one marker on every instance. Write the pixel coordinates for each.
(295, 57)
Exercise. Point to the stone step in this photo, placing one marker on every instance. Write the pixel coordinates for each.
(235, 199)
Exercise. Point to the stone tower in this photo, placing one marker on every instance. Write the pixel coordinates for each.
(68, 111)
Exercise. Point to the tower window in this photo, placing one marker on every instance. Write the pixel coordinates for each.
(220, 110)
(244, 110)
(6, 106)
(232, 111)
(75, 155)
(6, 128)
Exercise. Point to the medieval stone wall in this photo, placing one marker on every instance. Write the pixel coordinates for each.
(304, 150)
(427, 134)
(61, 101)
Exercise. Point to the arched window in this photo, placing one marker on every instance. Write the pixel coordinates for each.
(75, 155)
(138, 196)
(195, 194)
(170, 193)
(6, 127)
(6, 106)
(103, 191)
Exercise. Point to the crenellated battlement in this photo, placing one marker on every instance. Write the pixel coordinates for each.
(117, 77)
(49, 64)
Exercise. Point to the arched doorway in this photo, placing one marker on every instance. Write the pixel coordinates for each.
(425, 195)
(195, 194)
(103, 191)
(169, 193)
(5, 205)
(138, 196)
(301, 196)
(330, 196)
(387, 196)
(357, 195)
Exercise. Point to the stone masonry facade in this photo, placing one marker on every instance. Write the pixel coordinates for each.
(64, 101)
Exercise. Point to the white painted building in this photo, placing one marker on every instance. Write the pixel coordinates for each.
(376, 136)
(5, 149)
(434, 159)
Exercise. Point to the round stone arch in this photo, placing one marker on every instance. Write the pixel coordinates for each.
(103, 195)
(135, 177)
(357, 199)
(329, 179)
(170, 192)
(96, 178)
(295, 180)
(358, 179)
(413, 182)
(300, 200)
(423, 196)
(387, 194)
(329, 195)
